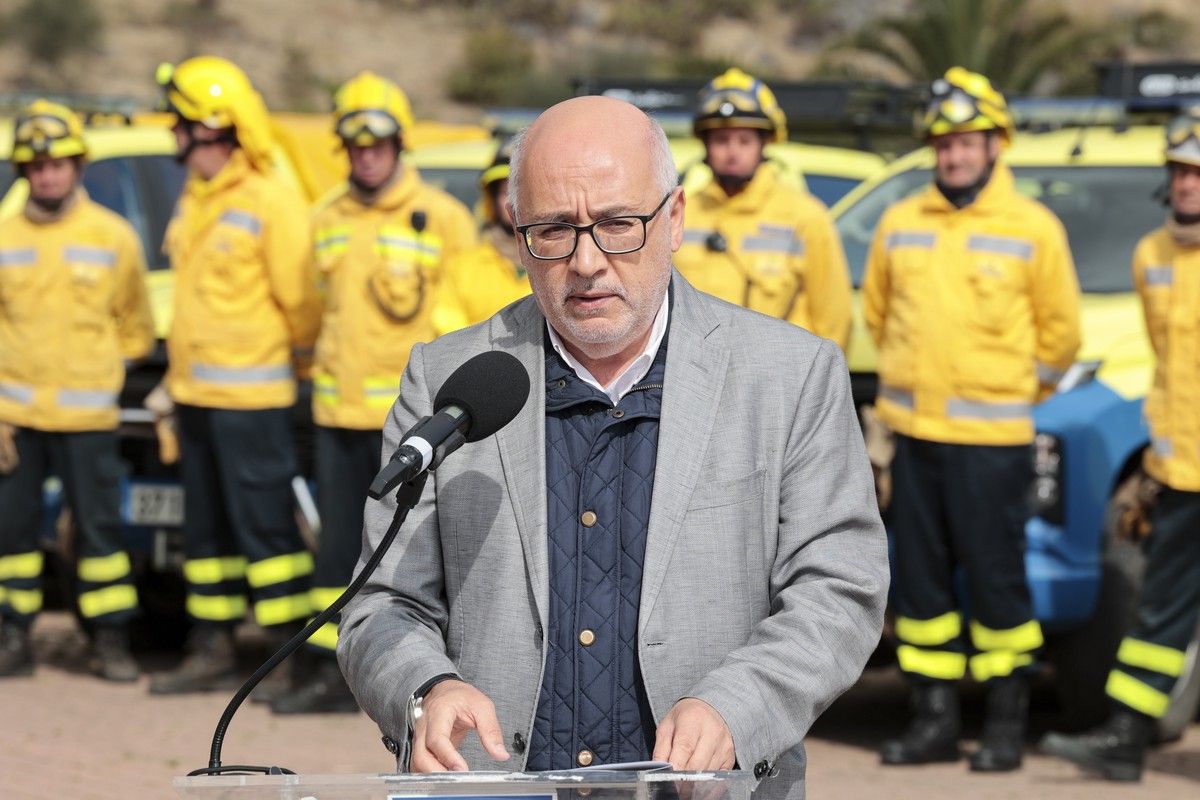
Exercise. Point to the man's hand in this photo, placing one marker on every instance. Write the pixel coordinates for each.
(694, 737)
(451, 708)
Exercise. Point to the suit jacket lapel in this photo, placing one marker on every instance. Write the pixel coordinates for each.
(523, 443)
(697, 359)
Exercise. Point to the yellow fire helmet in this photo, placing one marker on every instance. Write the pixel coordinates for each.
(738, 100)
(369, 108)
(499, 170)
(47, 129)
(217, 94)
(1183, 140)
(966, 101)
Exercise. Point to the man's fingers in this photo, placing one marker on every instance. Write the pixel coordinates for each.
(703, 757)
(420, 759)
(682, 746)
(663, 737)
(490, 733)
(438, 728)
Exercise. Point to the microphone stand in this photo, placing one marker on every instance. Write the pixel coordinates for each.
(406, 499)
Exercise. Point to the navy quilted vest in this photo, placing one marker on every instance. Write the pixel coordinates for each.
(599, 479)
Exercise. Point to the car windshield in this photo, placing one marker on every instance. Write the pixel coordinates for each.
(7, 176)
(462, 183)
(1104, 209)
(142, 189)
(828, 188)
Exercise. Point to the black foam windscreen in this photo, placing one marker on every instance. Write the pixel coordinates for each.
(491, 387)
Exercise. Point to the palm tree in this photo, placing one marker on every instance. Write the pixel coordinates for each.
(1022, 46)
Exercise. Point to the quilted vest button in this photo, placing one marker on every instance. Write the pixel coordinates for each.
(586, 637)
(584, 758)
(588, 518)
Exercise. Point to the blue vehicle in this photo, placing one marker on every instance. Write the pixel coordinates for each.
(1083, 579)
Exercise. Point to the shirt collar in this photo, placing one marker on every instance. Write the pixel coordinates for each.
(623, 383)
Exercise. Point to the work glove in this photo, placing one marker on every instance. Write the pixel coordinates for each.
(881, 449)
(1132, 504)
(8, 449)
(166, 424)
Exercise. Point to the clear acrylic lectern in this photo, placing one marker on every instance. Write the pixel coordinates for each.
(592, 785)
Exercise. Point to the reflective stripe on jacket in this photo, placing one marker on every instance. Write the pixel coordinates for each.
(1167, 277)
(379, 267)
(771, 248)
(73, 309)
(974, 310)
(246, 305)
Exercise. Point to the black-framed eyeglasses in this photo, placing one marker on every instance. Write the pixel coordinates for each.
(551, 241)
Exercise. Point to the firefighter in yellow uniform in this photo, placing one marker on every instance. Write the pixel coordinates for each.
(1166, 273)
(484, 279)
(750, 237)
(73, 310)
(380, 245)
(245, 318)
(971, 296)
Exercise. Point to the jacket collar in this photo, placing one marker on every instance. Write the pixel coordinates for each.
(750, 198)
(398, 192)
(234, 172)
(696, 364)
(995, 196)
(40, 216)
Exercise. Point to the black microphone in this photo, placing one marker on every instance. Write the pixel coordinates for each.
(478, 399)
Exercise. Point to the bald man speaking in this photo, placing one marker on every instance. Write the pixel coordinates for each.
(672, 552)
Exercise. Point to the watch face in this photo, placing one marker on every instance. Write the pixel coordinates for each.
(414, 710)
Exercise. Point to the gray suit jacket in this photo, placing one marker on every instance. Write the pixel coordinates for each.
(766, 566)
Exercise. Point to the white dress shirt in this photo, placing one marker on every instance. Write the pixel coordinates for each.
(620, 385)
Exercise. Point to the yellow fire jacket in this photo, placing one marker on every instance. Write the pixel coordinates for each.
(771, 248)
(379, 267)
(1167, 277)
(973, 310)
(246, 305)
(73, 308)
(479, 282)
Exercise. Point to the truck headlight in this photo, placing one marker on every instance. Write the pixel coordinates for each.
(1047, 500)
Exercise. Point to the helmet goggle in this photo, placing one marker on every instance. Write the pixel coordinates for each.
(1180, 129)
(950, 103)
(366, 127)
(39, 131)
(731, 103)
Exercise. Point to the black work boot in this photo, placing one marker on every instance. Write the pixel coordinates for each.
(1116, 750)
(210, 664)
(325, 692)
(933, 734)
(1000, 747)
(16, 651)
(111, 658)
(281, 679)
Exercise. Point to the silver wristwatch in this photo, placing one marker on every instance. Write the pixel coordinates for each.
(415, 710)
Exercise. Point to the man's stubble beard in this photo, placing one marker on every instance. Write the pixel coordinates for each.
(605, 341)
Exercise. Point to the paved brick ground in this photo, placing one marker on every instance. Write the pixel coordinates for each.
(64, 734)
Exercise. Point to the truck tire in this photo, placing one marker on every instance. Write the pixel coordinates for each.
(1083, 657)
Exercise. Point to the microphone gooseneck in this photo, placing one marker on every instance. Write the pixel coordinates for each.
(478, 399)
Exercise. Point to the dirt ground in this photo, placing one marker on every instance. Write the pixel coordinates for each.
(63, 734)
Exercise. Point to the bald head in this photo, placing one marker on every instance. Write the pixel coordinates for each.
(590, 130)
(594, 179)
